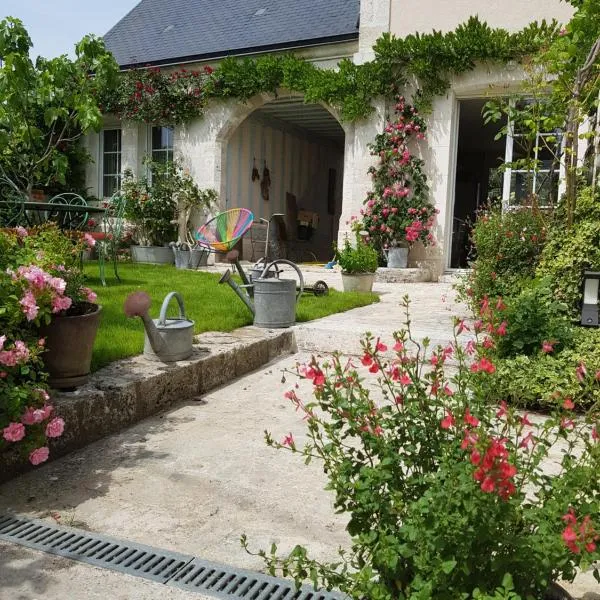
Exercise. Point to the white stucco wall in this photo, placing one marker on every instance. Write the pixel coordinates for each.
(409, 16)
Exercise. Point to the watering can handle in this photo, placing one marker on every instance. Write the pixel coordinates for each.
(285, 261)
(162, 319)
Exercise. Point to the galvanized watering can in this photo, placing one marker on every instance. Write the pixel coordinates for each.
(275, 299)
(167, 340)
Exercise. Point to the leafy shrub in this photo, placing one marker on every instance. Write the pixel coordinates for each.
(533, 317)
(359, 259)
(445, 493)
(571, 251)
(545, 380)
(507, 247)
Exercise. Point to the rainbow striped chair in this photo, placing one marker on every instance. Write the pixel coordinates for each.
(221, 233)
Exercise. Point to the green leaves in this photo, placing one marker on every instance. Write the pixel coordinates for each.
(46, 105)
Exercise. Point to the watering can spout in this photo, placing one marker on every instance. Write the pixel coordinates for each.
(137, 305)
(226, 278)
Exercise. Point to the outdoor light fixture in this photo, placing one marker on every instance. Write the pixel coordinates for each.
(589, 305)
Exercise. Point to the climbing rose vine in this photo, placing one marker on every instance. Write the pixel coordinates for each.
(397, 211)
(447, 495)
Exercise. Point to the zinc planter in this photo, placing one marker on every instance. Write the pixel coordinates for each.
(69, 345)
(358, 282)
(397, 258)
(157, 255)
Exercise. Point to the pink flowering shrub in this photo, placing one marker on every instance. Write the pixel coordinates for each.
(38, 280)
(448, 496)
(398, 212)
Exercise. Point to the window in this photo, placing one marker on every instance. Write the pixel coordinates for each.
(111, 162)
(162, 144)
(535, 167)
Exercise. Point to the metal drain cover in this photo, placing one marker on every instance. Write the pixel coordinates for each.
(98, 550)
(171, 568)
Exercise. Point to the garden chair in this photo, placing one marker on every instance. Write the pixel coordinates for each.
(66, 219)
(223, 232)
(109, 237)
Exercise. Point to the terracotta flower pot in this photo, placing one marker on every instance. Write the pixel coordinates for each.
(69, 345)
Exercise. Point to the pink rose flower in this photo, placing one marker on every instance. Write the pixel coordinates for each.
(55, 428)
(60, 303)
(32, 416)
(30, 307)
(89, 294)
(39, 455)
(15, 432)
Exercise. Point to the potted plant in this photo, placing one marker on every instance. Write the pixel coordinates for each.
(191, 201)
(150, 208)
(397, 211)
(358, 264)
(46, 291)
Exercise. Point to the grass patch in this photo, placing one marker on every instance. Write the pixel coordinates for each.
(213, 307)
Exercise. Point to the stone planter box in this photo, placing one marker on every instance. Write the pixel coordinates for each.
(157, 255)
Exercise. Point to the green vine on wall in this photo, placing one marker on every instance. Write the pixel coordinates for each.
(426, 60)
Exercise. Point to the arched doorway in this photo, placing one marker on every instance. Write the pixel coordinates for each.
(288, 157)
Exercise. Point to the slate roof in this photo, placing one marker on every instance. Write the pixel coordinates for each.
(170, 31)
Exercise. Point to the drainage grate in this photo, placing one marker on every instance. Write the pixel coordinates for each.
(171, 568)
(98, 550)
(224, 582)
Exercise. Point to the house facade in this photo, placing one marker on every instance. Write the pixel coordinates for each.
(315, 164)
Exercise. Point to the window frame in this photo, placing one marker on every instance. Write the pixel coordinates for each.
(119, 154)
(507, 190)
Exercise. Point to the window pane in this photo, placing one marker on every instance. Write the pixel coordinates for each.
(521, 187)
(112, 140)
(162, 138)
(111, 184)
(112, 164)
(546, 187)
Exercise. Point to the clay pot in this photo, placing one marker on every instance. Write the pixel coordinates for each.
(69, 345)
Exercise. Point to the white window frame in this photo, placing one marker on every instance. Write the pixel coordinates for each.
(508, 158)
(119, 153)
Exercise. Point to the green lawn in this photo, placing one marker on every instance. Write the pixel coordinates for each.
(212, 306)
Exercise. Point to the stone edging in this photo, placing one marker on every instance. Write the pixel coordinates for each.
(132, 389)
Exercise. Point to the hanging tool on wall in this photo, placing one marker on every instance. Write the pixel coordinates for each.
(265, 183)
(255, 174)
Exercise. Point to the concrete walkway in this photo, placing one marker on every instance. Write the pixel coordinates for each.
(196, 477)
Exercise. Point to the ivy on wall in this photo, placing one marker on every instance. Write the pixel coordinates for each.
(426, 60)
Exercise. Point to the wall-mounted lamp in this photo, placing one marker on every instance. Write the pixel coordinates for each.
(589, 305)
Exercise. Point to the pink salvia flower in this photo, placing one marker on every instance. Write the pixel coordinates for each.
(288, 440)
(547, 347)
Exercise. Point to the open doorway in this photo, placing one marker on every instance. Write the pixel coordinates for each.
(287, 157)
(478, 180)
